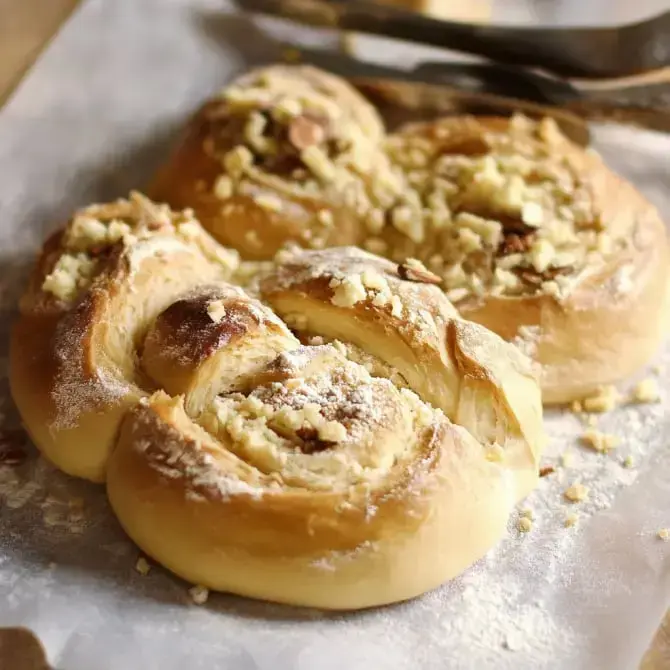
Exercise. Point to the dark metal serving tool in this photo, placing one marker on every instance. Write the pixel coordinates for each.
(570, 52)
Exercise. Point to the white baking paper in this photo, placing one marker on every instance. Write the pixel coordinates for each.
(93, 119)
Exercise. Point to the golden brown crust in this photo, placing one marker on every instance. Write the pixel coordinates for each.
(530, 234)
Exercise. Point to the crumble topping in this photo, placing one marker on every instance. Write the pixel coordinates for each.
(69, 276)
(599, 441)
(576, 493)
(96, 229)
(605, 399)
(501, 210)
(646, 391)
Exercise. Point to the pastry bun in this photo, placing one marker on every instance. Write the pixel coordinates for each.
(368, 464)
(531, 235)
(363, 455)
(572, 261)
(95, 288)
(242, 164)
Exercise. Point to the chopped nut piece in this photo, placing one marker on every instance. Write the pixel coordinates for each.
(605, 399)
(414, 270)
(373, 280)
(71, 273)
(142, 566)
(532, 214)
(269, 202)
(576, 493)
(525, 524)
(663, 534)
(348, 291)
(332, 431)
(199, 594)
(318, 162)
(237, 161)
(223, 187)
(601, 442)
(216, 310)
(305, 131)
(547, 470)
(646, 391)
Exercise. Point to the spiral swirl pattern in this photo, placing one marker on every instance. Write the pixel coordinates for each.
(362, 455)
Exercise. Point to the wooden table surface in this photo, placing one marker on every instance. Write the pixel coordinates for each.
(26, 26)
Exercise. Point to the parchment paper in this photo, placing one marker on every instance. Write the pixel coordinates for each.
(92, 120)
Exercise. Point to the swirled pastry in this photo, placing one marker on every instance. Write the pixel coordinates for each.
(97, 286)
(531, 235)
(540, 240)
(284, 153)
(363, 455)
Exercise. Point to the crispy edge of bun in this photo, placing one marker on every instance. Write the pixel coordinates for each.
(278, 545)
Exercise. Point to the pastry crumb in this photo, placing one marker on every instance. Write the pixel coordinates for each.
(525, 524)
(646, 391)
(142, 566)
(663, 534)
(601, 442)
(223, 187)
(199, 594)
(605, 399)
(570, 520)
(576, 493)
